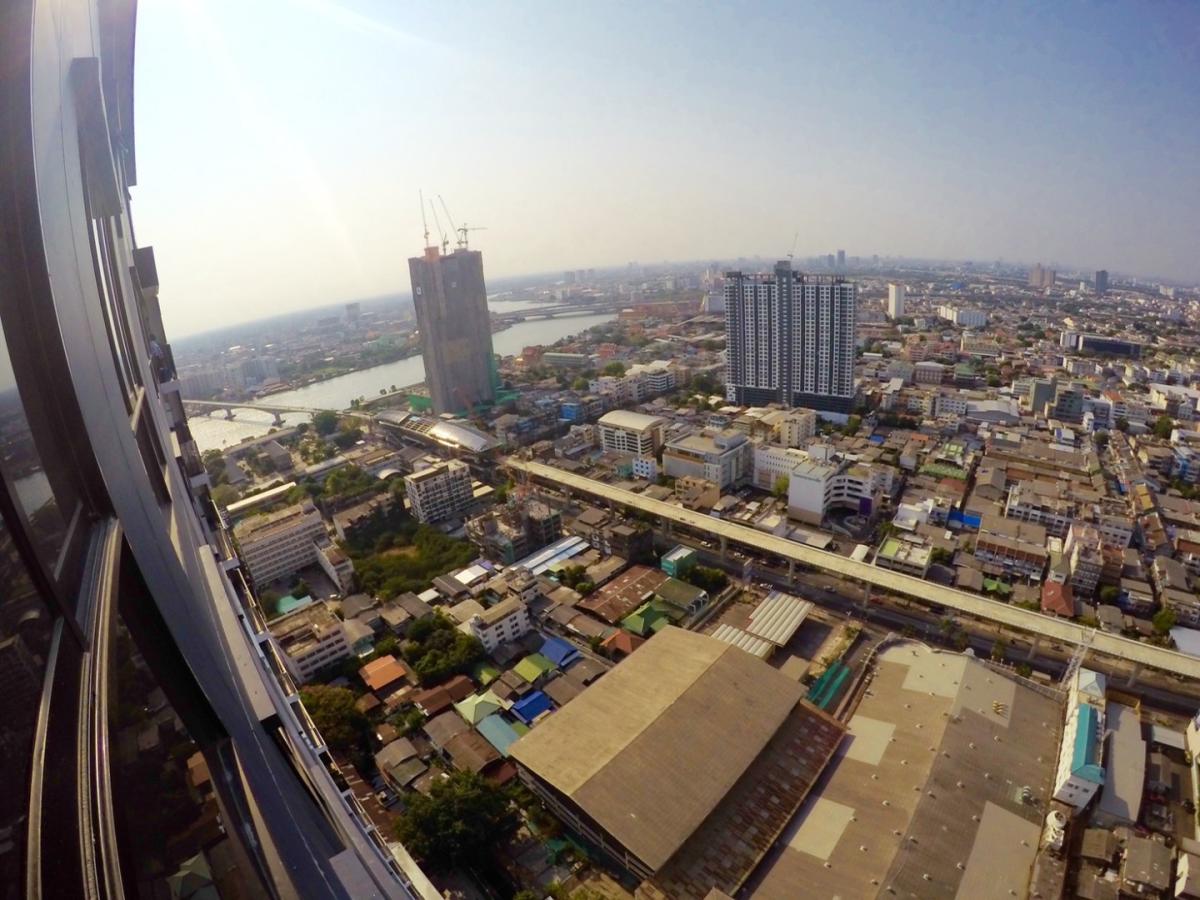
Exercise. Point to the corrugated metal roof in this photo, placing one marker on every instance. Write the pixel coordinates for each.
(753, 645)
(778, 617)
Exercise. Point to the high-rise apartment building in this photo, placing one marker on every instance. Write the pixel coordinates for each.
(1101, 281)
(841, 260)
(148, 731)
(1041, 277)
(456, 331)
(895, 301)
(789, 339)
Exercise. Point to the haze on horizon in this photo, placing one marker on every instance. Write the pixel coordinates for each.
(282, 143)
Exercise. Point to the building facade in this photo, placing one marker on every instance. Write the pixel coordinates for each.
(506, 621)
(631, 433)
(723, 457)
(131, 645)
(790, 339)
(456, 330)
(440, 491)
(310, 639)
(281, 543)
(895, 301)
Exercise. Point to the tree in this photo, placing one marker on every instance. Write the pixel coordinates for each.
(348, 437)
(1109, 594)
(852, 425)
(616, 368)
(579, 384)
(780, 489)
(1101, 440)
(1163, 426)
(1164, 620)
(1122, 424)
(460, 820)
(224, 494)
(335, 715)
(325, 422)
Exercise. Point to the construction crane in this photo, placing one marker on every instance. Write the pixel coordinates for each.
(795, 240)
(446, 210)
(424, 222)
(438, 224)
(462, 234)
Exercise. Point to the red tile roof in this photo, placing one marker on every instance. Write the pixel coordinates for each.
(1058, 599)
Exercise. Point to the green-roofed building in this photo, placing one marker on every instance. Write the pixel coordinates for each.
(651, 617)
(485, 673)
(477, 707)
(534, 667)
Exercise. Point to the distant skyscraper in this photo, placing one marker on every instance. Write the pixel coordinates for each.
(895, 301)
(1102, 281)
(830, 262)
(841, 264)
(353, 311)
(790, 339)
(1041, 277)
(456, 331)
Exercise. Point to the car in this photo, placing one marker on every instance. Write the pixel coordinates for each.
(386, 797)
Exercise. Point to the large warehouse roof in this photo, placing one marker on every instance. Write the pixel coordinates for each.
(649, 750)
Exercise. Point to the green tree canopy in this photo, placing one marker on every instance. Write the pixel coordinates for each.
(780, 488)
(616, 367)
(325, 422)
(1164, 620)
(332, 709)
(1163, 426)
(458, 822)
(224, 494)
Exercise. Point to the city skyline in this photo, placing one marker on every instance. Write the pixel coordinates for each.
(978, 136)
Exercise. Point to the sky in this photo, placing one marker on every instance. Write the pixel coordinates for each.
(282, 143)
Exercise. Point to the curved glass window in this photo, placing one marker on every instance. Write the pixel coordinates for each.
(25, 629)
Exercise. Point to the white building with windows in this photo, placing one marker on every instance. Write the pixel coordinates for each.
(438, 492)
(722, 457)
(506, 621)
(631, 433)
(790, 339)
(310, 639)
(279, 544)
(895, 301)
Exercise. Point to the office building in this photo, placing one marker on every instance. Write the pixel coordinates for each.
(280, 544)
(456, 331)
(841, 260)
(353, 313)
(722, 457)
(797, 428)
(131, 646)
(506, 621)
(790, 339)
(1101, 281)
(310, 639)
(630, 433)
(895, 301)
(439, 492)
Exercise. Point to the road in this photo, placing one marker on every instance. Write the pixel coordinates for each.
(1043, 627)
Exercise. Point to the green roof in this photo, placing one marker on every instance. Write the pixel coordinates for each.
(485, 673)
(649, 618)
(533, 667)
(478, 707)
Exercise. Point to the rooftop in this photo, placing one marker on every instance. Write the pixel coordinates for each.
(622, 418)
(692, 710)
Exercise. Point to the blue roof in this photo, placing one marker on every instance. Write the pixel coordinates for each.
(559, 652)
(1085, 756)
(531, 706)
(497, 732)
(876, 439)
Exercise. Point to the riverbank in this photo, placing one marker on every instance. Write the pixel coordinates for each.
(216, 432)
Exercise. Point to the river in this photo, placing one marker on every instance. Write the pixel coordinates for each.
(215, 431)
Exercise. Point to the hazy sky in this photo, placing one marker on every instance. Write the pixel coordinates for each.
(281, 143)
